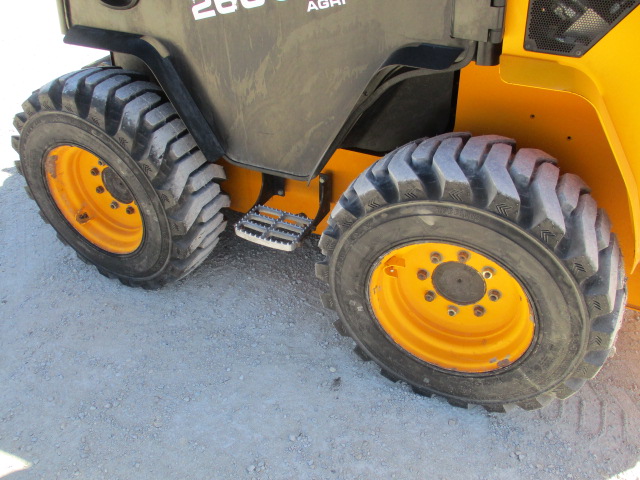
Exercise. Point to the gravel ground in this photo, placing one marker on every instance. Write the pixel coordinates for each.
(236, 372)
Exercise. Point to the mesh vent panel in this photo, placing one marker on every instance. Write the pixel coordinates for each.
(572, 27)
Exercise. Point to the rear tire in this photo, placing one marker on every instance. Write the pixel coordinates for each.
(428, 211)
(115, 128)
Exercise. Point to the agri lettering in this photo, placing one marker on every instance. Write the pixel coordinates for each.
(210, 8)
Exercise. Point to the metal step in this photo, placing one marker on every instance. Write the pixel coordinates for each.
(274, 228)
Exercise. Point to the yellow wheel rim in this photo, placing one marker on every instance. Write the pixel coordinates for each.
(452, 307)
(94, 199)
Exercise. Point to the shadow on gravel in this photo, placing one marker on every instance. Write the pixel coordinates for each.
(236, 372)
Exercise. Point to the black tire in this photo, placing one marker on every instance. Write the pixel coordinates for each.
(514, 207)
(125, 120)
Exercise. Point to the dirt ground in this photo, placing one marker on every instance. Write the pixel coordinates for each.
(236, 371)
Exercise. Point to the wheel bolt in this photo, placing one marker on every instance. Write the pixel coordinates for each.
(101, 163)
(452, 311)
(423, 274)
(479, 311)
(463, 256)
(494, 295)
(115, 205)
(95, 172)
(131, 210)
(436, 258)
(100, 189)
(430, 296)
(488, 273)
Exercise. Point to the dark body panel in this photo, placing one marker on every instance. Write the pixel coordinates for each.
(279, 82)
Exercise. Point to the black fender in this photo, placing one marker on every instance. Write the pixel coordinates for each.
(158, 58)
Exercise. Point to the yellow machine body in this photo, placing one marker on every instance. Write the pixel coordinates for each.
(583, 111)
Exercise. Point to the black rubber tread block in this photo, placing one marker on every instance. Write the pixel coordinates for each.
(19, 120)
(213, 238)
(422, 392)
(132, 116)
(92, 81)
(186, 214)
(535, 403)
(604, 329)
(452, 183)
(457, 403)
(341, 218)
(328, 240)
(369, 193)
(362, 354)
(153, 156)
(422, 156)
(501, 194)
(524, 164)
(102, 96)
(50, 95)
(591, 364)
(174, 185)
(204, 175)
(327, 301)
(31, 105)
(388, 375)
(548, 222)
(123, 97)
(603, 229)
(72, 98)
(582, 256)
(28, 192)
(495, 408)
(181, 268)
(570, 188)
(475, 151)
(15, 143)
(214, 206)
(406, 181)
(569, 387)
(322, 271)
(18, 165)
(602, 289)
(188, 244)
(380, 169)
(340, 328)
(45, 219)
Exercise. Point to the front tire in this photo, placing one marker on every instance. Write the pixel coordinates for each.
(472, 271)
(116, 173)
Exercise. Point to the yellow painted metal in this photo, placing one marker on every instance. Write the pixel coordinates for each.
(75, 182)
(487, 335)
(243, 186)
(606, 76)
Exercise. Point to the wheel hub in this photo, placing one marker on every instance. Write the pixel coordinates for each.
(459, 283)
(451, 307)
(88, 193)
(116, 186)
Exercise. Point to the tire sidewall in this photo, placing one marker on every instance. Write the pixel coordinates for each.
(49, 129)
(561, 330)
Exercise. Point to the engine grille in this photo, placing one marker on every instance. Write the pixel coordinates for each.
(572, 27)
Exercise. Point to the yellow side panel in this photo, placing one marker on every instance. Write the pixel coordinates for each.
(564, 125)
(606, 76)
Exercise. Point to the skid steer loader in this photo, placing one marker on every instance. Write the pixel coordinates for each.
(462, 264)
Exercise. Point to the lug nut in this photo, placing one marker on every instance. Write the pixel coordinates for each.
(463, 256)
(479, 311)
(82, 217)
(452, 311)
(430, 296)
(101, 163)
(99, 189)
(494, 295)
(131, 210)
(423, 274)
(488, 273)
(114, 205)
(436, 258)
(95, 172)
